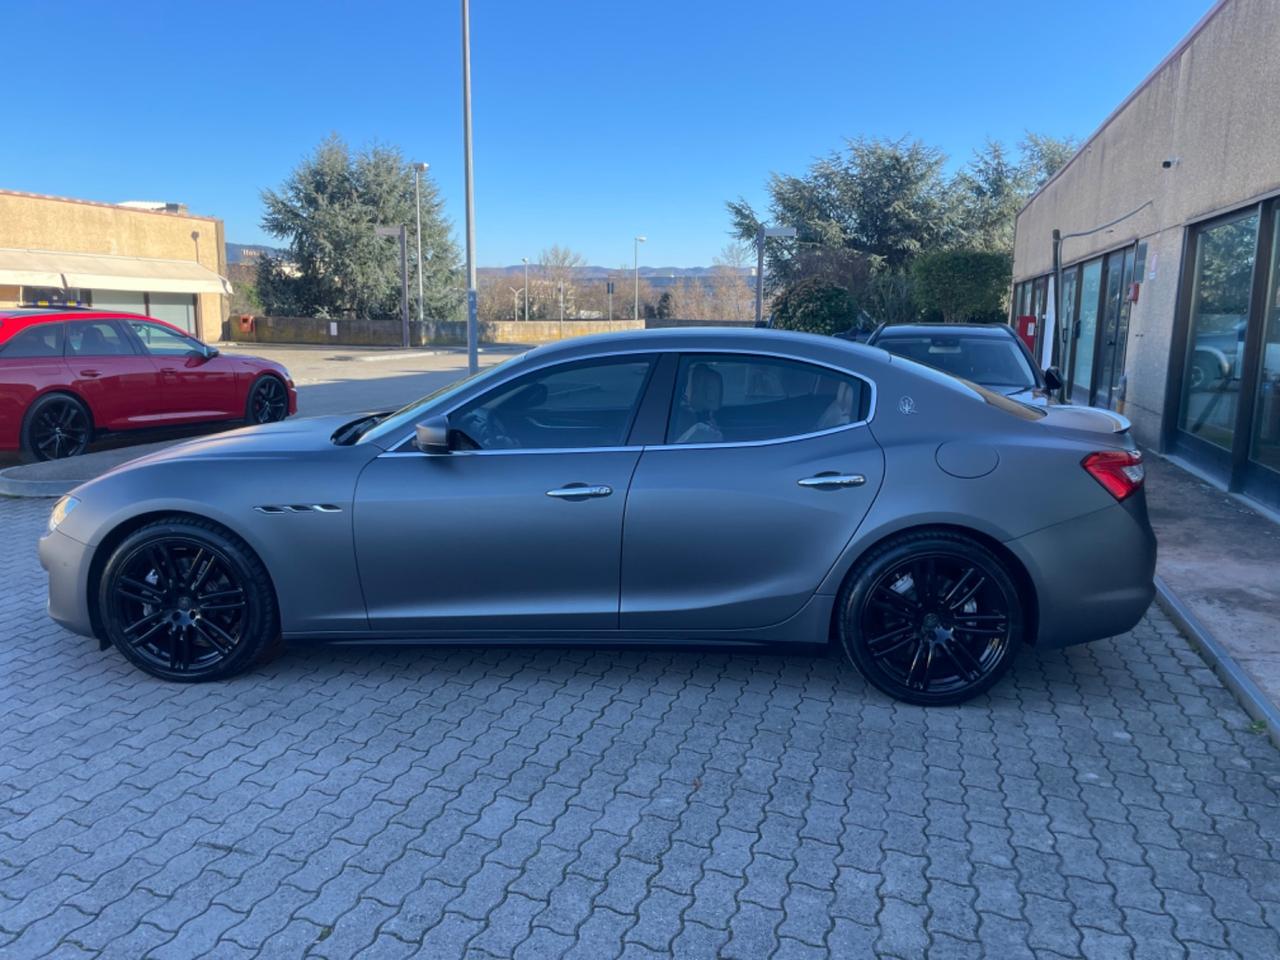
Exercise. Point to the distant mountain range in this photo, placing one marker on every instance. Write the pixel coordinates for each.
(250, 252)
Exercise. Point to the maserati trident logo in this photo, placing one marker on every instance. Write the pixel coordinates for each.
(906, 406)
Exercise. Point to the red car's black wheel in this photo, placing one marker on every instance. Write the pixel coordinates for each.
(268, 401)
(56, 426)
(185, 600)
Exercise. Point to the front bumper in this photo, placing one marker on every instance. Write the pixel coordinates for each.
(67, 562)
(1094, 575)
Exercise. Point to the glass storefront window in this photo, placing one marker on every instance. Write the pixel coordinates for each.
(1219, 317)
(1266, 422)
(1086, 330)
(1067, 320)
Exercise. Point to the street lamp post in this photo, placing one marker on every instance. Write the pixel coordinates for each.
(763, 233)
(635, 306)
(525, 261)
(473, 363)
(418, 170)
(515, 302)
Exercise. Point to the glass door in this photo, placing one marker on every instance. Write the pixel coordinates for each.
(1066, 322)
(1086, 331)
(1115, 327)
(1263, 479)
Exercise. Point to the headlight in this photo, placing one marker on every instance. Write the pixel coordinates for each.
(61, 510)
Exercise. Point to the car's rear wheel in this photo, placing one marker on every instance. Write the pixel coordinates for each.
(185, 600)
(268, 401)
(57, 425)
(931, 617)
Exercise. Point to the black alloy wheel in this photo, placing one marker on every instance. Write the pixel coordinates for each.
(185, 600)
(56, 427)
(931, 618)
(268, 401)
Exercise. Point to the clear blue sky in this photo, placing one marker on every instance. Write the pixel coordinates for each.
(594, 121)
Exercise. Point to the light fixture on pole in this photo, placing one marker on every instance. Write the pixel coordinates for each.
(525, 261)
(635, 306)
(400, 233)
(763, 233)
(473, 363)
(418, 170)
(515, 302)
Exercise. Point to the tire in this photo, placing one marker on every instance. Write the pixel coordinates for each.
(941, 645)
(268, 401)
(56, 426)
(186, 600)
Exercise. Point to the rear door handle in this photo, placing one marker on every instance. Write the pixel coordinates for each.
(833, 480)
(90, 373)
(580, 491)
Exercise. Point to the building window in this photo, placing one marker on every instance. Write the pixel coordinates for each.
(1086, 331)
(1218, 320)
(1266, 429)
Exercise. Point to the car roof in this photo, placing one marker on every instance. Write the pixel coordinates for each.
(733, 339)
(15, 319)
(944, 329)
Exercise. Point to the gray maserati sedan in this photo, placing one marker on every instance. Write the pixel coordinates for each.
(695, 486)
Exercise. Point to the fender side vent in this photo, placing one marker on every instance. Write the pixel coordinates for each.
(272, 508)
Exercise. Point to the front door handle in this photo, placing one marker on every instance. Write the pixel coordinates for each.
(580, 491)
(91, 373)
(833, 480)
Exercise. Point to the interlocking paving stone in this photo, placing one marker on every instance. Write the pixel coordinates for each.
(1106, 800)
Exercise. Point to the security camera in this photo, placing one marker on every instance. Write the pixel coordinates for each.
(1170, 162)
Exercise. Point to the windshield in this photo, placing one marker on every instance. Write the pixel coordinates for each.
(998, 363)
(412, 413)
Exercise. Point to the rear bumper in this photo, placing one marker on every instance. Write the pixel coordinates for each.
(1094, 575)
(67, 563)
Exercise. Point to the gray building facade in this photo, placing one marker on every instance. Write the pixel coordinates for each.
(1170, 222)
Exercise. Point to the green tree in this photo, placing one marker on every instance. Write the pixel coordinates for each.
(963, 285)
(327, 211)
(1043, 156)
(987, 194)
(814, 305)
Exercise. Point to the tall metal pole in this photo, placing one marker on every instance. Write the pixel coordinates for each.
(418, 170)
(635, 306)
(759, 274)
(404, 287)
(473, 363)
(526, 288)
(1058, 316)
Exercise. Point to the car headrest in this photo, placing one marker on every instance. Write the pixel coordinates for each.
(705, 389)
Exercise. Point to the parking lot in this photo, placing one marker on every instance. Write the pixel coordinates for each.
(1108, 800)
(1105, 801)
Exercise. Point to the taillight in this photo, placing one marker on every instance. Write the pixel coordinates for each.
(1120, 471)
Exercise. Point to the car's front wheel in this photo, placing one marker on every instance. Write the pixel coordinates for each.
(268, 401)
(931, 617)
(186, 600)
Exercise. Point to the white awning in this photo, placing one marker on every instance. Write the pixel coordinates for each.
(91, 271)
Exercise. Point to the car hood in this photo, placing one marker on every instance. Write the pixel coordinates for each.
(1032, 395)
(267, 441)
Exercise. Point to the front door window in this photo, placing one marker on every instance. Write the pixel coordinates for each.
(1219, 318)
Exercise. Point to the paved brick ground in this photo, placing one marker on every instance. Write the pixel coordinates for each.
(1108, 801)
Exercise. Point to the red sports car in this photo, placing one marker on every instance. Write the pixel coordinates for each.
(69, 375)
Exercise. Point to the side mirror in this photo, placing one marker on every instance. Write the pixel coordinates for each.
(432, 435)
(1053, 379)
(210, 352)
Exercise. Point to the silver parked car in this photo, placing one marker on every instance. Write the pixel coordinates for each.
(688, 486)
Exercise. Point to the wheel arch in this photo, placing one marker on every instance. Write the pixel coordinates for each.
(1022, 580)
(117, 534)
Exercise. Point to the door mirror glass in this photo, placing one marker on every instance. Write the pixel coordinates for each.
(432, 435)
(1052, 378)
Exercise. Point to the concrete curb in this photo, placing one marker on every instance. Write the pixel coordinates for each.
(14, 487)
(1255, 703)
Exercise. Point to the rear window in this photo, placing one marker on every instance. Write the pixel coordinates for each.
(1024, 411)
(995, 362)
(41, 340)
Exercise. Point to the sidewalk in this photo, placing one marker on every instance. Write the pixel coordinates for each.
(1221, 560)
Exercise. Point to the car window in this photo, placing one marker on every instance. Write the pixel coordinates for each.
(737, 399)
(96, 338)
(41, 340)
(986, 360)
(161, 341)
(586, 404)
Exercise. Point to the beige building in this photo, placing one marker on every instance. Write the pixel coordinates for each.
(153, 259)
(1168, 217)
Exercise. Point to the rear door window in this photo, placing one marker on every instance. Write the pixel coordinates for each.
(734, 398)
(96, 338)
(41, 340)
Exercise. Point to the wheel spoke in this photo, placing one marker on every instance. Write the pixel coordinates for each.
(888, 598)
(211, 637)
(226, 638)
(918, 672)
(969, 593)
(179, 649)
(981, 631)
(225, 594)
(968, 665)
(166, 570)
(891, 642)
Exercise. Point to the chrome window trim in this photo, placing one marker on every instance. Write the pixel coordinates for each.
(395, 451)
